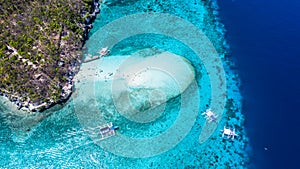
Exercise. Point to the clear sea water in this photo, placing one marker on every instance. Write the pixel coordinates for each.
(59, 141)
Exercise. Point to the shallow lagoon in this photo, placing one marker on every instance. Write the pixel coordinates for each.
(60, 139)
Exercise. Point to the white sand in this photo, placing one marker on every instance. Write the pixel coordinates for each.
(134, 83)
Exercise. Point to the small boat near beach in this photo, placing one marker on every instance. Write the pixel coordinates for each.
(104, 51)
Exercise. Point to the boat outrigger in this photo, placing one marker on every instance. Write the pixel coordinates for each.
(229, 133)
(209, 115)
(105, 131)
(108, 130)
(104, 51)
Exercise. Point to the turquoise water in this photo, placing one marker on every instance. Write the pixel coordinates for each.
(59, 141)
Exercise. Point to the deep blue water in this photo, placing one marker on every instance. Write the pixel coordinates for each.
(264, 36)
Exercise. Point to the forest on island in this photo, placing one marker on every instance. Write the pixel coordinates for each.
(40, 44)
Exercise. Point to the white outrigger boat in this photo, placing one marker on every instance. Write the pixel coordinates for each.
(108, 130)
(209, 115)
(229, 133)
(105, 131)
(104, 51)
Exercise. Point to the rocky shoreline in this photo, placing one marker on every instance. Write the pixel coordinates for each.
(67, 49)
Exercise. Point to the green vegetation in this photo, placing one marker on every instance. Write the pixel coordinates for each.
(36, 35)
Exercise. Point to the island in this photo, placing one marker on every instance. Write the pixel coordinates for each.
(41, 49)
